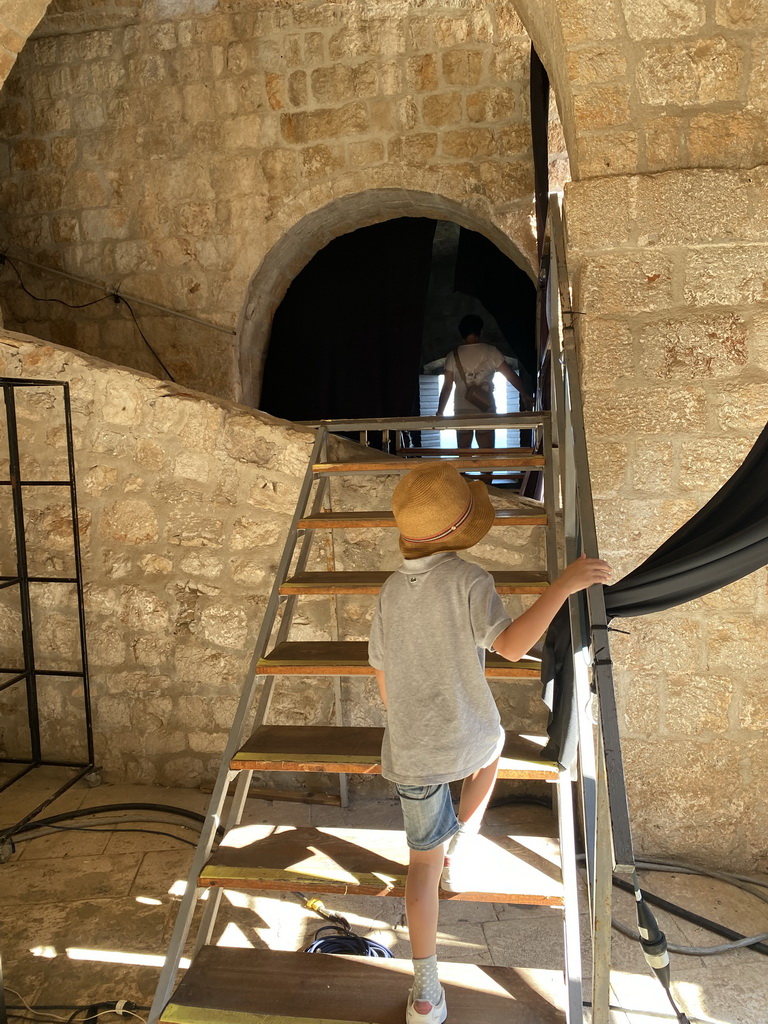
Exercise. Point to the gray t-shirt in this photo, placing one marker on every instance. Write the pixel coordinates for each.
(435, 618)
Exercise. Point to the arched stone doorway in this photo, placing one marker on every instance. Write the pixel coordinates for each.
(308, 236)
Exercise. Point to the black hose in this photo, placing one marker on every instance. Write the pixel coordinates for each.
(87, 812)
(688, 915)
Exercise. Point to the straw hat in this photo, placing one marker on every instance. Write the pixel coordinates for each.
(436, 509)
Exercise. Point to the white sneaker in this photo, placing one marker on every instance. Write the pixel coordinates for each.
(459, 865)
(436, 1013)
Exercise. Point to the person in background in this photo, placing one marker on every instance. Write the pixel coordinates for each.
(479, 362)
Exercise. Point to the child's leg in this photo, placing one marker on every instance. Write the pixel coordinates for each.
(421, 900)
(475, 793)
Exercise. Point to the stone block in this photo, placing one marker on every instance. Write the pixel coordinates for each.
(734, 139)
(638, 700)
(512, 139)
(736, 645)
(695, 206)
(741, 13)
(469, 142)
(452, 30)
(672, 643)
(592, 21)
(321, 161)
(691, 73)
(314, 48)
(333, 84)
(608, 464)
(280, 167)
(365, 153)
(129, 521)
(592, 65)
(661, 410)
(63, 151)
(335, 123)
(671, 19)
(253, 533)
(606, 351)
(742, 407)
(421, 73)
(736, 275)
(491, 105)
(608, 153)
(462, 67)
(142, 609)
(156, 565)
(602, 106)
(753, 710)
(297, 89)
(225, 625)
(697, 704)
(190, 530)
(28, 155)
(653, 467)
(693, 348)
(275, 87)
(442, 108)
(663, 142)
(413, 149)
(420, 33)
(382, 116)
(625, 282)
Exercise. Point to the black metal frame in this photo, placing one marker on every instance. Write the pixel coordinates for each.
(28, 673)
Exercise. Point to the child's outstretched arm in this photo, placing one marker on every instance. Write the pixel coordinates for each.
(519, 636)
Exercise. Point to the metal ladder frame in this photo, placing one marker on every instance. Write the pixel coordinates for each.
(603, 796)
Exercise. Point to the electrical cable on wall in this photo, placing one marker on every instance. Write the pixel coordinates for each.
(115, 295)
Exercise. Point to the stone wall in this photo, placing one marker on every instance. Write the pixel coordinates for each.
(671, 282)
(166, 148)
(184, 504)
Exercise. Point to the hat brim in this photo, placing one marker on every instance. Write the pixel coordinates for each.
(469, 533)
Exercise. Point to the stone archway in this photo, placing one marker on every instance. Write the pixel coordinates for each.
(290, 254)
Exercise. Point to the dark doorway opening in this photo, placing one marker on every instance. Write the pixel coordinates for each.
(358, 324)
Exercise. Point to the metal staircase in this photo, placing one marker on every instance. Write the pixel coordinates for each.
(274, 987)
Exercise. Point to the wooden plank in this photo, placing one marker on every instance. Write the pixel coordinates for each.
(265, 986)
(371, 862)
(302, 748)
(350, 658)
(384, 519)
(507, 582)
(465, 462)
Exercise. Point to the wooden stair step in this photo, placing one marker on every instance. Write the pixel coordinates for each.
(360, 520)
(371, 862)
(350, 658)
(465, 462)
(329, 748)
(507, 582)
(265, 986)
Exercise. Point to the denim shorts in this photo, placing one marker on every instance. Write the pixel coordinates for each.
(428, 815)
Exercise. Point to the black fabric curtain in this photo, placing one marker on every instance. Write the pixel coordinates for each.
(726, 540)
(539, 94)
(346, 339)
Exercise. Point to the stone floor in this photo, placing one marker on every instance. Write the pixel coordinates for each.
(86, 916)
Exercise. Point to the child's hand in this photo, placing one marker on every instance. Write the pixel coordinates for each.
(585, 572)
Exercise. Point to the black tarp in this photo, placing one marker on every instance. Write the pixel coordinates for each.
(726, 540)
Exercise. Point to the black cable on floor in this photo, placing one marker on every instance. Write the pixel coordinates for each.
(688, 915)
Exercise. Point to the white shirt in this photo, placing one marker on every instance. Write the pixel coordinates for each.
(480, 362)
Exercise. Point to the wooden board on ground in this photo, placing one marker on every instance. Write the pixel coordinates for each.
(264, 986)
(350, 658)
(309, 748)
(358, 520)
(507, 582)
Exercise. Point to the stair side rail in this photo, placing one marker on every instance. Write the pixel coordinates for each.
(602, 786)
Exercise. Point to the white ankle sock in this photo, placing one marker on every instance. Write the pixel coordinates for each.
(426, 984)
